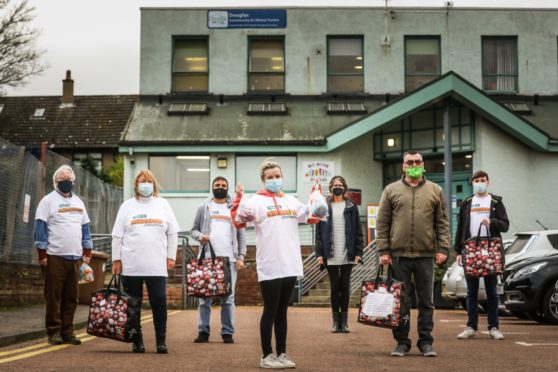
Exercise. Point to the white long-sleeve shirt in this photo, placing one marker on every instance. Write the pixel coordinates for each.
(144, 236)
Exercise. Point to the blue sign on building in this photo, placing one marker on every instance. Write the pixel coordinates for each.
(247, 18)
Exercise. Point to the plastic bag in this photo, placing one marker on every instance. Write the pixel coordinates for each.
(86, 274)
(318, 204)
(245, 212)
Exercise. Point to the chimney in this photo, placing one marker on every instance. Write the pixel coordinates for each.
(68, 89)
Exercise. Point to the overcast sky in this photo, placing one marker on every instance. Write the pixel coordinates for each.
(99, 40)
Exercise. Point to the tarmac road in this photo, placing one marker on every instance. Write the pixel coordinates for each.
(528, 346)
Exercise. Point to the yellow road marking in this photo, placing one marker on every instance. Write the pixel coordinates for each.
(50, 348)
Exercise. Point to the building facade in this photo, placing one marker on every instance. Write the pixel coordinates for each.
(347, 91)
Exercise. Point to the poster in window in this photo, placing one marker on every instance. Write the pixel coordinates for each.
(321, 170)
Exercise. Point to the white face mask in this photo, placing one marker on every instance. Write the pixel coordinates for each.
(145, 189)
(480, 187)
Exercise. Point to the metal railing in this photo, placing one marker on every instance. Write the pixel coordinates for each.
(187, 254)
(313, 274)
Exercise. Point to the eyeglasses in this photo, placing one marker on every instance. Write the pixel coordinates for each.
(414, 162)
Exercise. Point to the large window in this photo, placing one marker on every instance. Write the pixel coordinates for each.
(247, 172)
(345, 64)
(422, 60)
(188, 173)
(190, 72)
(266, 64)
(499, 64)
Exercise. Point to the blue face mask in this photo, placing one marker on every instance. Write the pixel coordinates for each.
(145, 189)
(274, 185)
(480, 188)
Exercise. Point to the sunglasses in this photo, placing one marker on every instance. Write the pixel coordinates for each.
(414, 162)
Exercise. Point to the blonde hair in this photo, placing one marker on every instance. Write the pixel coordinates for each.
(63, 169)
(269, 163)
(149, 177)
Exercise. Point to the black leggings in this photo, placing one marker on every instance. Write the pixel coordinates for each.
(340, 283)
(156, 291)
(276, 294)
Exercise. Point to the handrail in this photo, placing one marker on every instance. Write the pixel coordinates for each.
(187, 254)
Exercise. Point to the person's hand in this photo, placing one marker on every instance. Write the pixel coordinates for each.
(385, 259)
(86, 259)
(204, 239)
(170, 264)
(239, 264)
(320, 260)
(43, 262)
(441, 258)
(358, 259)
(116, 267)
(239, 189)
(486, 221)
(459, 259)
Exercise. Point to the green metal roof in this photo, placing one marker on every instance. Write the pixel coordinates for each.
(309, 128)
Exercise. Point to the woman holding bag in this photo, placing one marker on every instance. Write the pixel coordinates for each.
(278, 257)
(144, 244)
(339, 246)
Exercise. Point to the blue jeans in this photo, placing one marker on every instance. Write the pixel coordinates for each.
(227, 309)
(490, 283)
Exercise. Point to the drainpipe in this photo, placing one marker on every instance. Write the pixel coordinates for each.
(448, 161)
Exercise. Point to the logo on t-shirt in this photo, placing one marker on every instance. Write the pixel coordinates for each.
(66, 208)
(220, 217)
(147, 221)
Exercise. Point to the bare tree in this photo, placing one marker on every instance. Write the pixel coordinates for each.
(19, 56)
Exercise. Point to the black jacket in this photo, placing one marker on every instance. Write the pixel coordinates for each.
(499, 222)
(353, 233)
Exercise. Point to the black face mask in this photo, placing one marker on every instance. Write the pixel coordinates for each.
(65, 186)
(220, 193)
(338, 191)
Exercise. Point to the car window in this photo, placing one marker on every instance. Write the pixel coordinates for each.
(553, 238)
(521, 243)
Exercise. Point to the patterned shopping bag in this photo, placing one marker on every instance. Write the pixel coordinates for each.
(208, 277)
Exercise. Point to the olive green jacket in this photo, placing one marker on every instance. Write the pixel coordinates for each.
(412, 221)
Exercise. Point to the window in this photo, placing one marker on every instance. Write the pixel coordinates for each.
(499, 64)
(422, 60)
(247, 172)
(345, 64)
(350, 108)
(267, 109)
(182, 173)
(181, 109)
(91, 161)
(266, 64)
(190, 65)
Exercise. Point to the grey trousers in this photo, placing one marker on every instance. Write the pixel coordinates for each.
(423, 271)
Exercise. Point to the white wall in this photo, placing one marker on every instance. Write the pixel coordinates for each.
(527, 180)
(460, 31)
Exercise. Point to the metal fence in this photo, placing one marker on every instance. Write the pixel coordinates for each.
(24, 180)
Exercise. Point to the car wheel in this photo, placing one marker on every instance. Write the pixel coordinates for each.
(550, 306)
(537, 317)
(463, 303)
(519, 314)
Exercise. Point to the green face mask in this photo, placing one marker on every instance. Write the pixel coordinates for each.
(414, 172)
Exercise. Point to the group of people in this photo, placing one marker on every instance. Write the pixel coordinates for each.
(412, 235)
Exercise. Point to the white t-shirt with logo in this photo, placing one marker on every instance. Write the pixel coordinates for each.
(480, 209)
(277, 242)
(221, 236)
(64, 218)
(143, 226)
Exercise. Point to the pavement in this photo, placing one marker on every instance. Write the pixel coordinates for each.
(528, 346)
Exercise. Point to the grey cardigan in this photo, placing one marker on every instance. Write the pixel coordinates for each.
(202, 226)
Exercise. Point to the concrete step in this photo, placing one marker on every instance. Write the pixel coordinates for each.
(315, 299)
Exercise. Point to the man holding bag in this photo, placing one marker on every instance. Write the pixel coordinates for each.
(412, 233)
(486, 209)
(213, 225)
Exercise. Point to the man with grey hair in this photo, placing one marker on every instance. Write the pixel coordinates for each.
(413, 233)
(62, 239)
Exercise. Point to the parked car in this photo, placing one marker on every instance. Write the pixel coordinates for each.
(454, 286)
(530, 287)
(527, 245)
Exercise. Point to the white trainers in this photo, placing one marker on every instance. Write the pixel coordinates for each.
(287, 363)
(495, 334)
(271, 361)
(467, 333)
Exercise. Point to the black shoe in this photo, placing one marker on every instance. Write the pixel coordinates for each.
(427, 351)
(162, 348)
(336, 326)
(344, 322)
(400, 350)
(228, 339)
(137, 346)
(55, 340)
(202, 337)
(71, 340)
